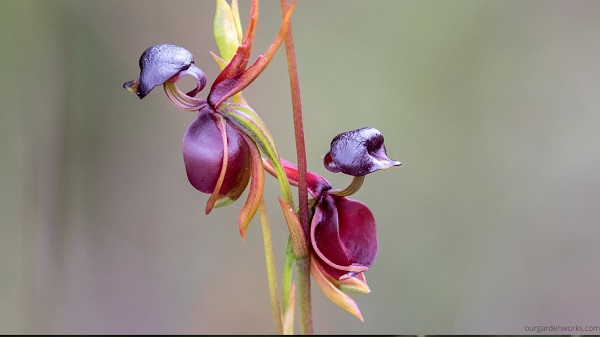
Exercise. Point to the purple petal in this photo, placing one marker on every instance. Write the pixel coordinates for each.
(203, 157)
(343, 236)
(161, 62)
(357, 231)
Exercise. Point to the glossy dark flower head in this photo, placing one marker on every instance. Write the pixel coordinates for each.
(161, 62)
(358, 153)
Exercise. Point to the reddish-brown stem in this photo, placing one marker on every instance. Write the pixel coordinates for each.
(298, 125)
(303, 266)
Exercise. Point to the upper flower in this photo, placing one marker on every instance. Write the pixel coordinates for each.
(221, 147)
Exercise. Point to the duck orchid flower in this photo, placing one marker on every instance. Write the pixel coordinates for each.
(221, 148)
(343, 234)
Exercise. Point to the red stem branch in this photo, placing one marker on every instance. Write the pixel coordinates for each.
(303, 266)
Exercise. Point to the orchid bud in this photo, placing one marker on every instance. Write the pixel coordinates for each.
(358, 153)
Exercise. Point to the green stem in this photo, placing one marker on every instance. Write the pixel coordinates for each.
(303, 270)
(271, 273)
(303, 267)
(287, 274)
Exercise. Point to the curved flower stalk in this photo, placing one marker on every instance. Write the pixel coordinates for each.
(221, 146)
(343, 236)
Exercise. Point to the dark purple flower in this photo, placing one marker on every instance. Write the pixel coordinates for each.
(358, 152)
(343, 235)
(161, 62)
(209, 137)
(219, 155)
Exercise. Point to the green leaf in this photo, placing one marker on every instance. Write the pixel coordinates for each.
(222, 64)
(250, 123)
(288, 316)
(225, 30)
(236, 18)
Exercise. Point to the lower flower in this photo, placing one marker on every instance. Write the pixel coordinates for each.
(343, 239)
(343, 236)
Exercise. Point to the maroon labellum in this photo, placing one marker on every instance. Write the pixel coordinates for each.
(212, 147)
(343, 236)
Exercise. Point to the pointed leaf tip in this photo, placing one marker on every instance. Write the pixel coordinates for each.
(299, 242)
(332, 292)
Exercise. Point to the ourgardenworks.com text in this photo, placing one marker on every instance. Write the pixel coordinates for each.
(562, 328)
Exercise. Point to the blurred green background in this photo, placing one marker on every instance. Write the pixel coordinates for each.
(491, 224)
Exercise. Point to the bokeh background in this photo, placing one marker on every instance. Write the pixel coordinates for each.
(491, 224)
